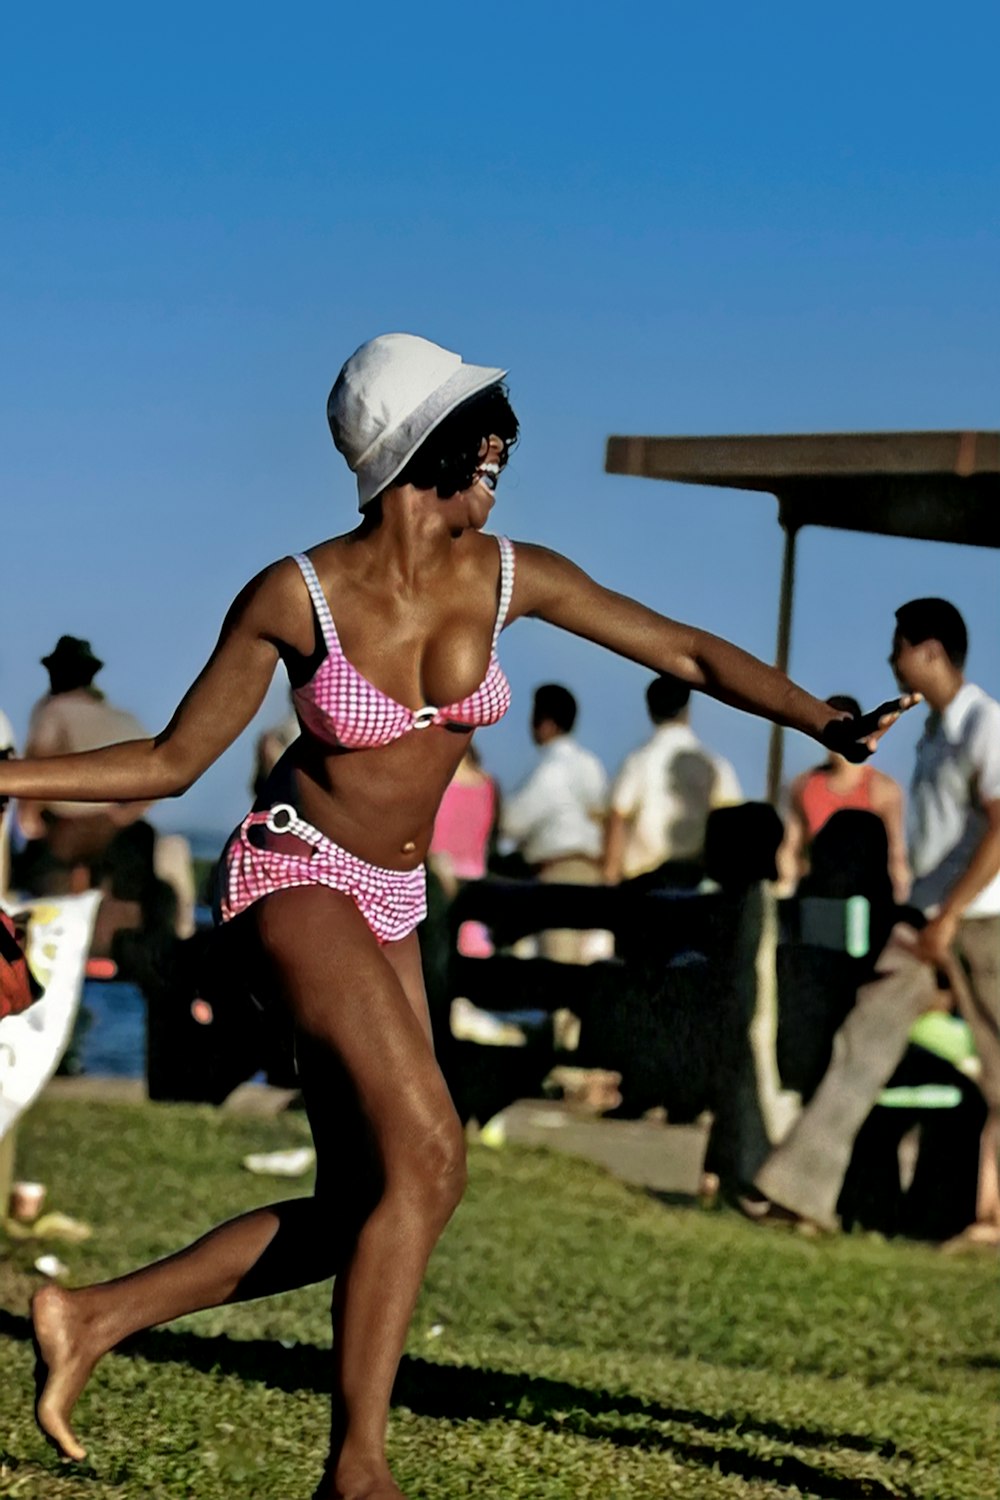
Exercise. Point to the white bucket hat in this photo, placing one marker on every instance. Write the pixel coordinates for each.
(390, 394)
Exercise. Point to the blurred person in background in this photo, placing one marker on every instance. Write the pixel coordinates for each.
(464, 833)
(835, 785)
(69, 843)
(665, 790)
(465, 825)
(954, 851)
(75, 715)
(556, 817)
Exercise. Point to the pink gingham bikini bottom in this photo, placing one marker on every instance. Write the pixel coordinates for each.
(392, 902)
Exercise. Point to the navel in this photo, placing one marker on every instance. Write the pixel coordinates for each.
(409, 847)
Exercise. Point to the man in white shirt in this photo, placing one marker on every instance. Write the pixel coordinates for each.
(665, 790)
(954, 840)
(556, 817)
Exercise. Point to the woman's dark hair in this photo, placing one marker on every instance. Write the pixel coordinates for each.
(845, 705)
(449, 456)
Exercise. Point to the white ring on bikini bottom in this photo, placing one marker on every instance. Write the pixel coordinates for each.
(289, 816)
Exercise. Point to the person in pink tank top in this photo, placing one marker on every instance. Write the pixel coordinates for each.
(463, 830)
(465, 823)
(389, 634)
(837, 784)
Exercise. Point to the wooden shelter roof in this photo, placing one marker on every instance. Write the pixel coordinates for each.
(934, 486)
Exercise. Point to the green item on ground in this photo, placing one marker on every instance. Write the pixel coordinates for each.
(947, 1036)
(921, 1096)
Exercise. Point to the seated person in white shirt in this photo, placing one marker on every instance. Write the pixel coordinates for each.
(556, 816)
(665, 790)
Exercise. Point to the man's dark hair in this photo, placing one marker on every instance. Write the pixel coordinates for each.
(844, 703)
(449, 456)
(667, 697)
(553, 701)
(935, 620)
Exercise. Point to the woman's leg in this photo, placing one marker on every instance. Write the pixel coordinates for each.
(349, 994)
(267, 1250)
(73, 1329)
(348, 997)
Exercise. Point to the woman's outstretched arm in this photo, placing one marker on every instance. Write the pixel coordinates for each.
(550, 587)
(217, 708)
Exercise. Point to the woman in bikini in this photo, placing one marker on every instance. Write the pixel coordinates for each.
(389, 636)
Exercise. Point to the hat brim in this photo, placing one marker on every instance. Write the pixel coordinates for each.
(66, 659)
(382, 463)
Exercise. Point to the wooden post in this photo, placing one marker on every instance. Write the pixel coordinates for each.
(775, 757)
(7, 1148)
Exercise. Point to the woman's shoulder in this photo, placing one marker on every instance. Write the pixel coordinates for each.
(275, 604)
(882, 785)
(276, 583)
(478, 552)
(543, 576)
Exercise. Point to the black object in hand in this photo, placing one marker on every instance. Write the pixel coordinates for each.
(845, 736)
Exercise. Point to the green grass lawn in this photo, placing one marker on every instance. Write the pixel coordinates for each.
(575, 1338)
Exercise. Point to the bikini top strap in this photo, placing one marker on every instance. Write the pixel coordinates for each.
(318, 598)
(506, 584)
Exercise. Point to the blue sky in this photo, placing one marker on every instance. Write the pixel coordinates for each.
(661, 218)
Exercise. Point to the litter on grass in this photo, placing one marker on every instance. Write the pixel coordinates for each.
(51, 1226)
(293, 1163)
(51, 1266)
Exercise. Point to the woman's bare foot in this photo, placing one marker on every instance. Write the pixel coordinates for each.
(359, 1482)
(386, 1489)
(63, 1363)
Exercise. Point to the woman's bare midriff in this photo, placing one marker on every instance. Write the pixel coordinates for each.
(379, 804)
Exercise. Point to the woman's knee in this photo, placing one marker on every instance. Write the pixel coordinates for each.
(434, 1168)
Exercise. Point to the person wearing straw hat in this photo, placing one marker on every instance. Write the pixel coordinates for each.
(389, 634)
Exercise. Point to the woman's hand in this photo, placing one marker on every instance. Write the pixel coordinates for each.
(857, 739)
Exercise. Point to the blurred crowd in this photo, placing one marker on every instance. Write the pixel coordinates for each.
(871, 969)
(886, 941)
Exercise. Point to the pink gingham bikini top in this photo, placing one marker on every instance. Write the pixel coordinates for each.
(342, 708)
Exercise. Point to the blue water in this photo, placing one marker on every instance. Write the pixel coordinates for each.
(110, 1039)
(111, 1036)
(205, 843)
